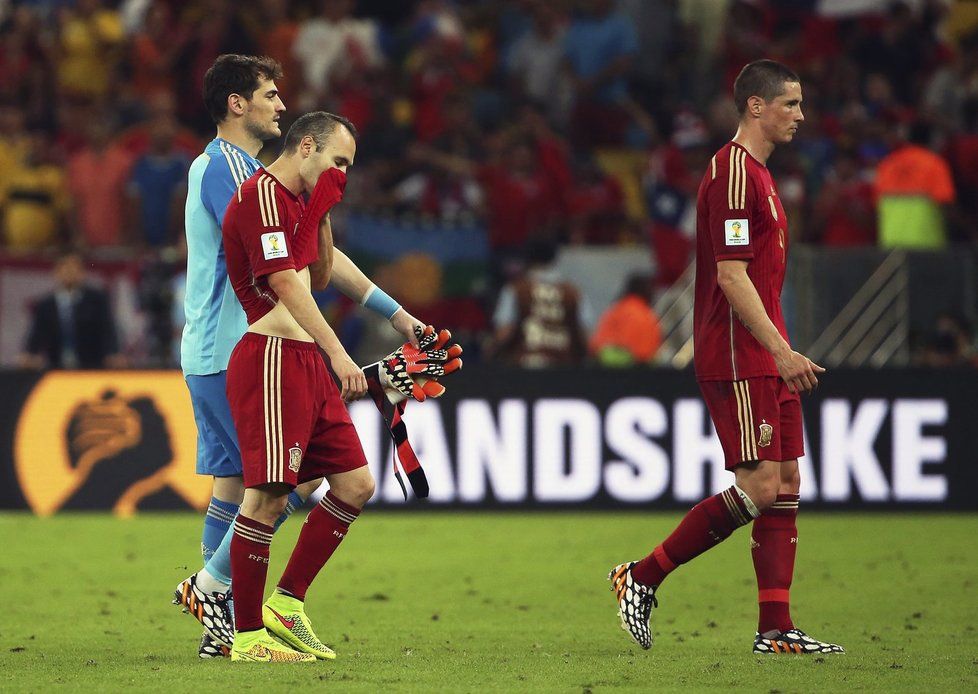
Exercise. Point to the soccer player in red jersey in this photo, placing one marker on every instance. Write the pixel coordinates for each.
(748, 373)
(292, 423)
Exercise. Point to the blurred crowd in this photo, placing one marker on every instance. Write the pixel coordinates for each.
(571, 122)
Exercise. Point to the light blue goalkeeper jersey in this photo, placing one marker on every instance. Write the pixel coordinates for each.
(215, 320)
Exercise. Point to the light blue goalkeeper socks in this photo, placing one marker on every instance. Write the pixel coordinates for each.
(220, 516)
(219, 564)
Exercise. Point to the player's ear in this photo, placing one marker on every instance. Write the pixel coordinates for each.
(754, 105)
(236, 104)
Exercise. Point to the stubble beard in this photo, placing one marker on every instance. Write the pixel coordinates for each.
(263, 134)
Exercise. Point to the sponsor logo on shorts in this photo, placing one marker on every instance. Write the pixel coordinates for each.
(295, 458)
(766, 432)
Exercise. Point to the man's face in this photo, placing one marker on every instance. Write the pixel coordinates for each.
(338, 151)
(263, 110)
(69, 272)
(781, 116)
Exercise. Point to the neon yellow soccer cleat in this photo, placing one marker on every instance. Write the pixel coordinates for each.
(284, 617)
(259, 647)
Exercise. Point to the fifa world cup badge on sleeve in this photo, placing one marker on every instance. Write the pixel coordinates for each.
(273, 245)
(736, 232)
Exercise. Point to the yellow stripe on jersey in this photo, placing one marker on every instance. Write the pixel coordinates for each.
(261, 200)
(745, 417)
(737, 179)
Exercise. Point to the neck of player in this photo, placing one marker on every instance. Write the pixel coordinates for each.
(238, 136)
(753, 140)
(285, 169)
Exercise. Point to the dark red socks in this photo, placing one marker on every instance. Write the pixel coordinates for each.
(321, 534)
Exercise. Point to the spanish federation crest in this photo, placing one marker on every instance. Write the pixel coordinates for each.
(295, 458)
(766, 432)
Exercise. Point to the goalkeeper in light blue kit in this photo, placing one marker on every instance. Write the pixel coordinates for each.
(241, 97)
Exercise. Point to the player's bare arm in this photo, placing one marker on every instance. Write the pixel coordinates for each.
(797, 370)
(293, 293)
(350, 280)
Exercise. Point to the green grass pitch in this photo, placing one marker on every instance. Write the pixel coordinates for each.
(439, 602)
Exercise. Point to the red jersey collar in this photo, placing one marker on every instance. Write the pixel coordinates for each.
(747, 152)
(262, 169)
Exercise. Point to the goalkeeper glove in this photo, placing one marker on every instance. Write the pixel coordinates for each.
(411, 372)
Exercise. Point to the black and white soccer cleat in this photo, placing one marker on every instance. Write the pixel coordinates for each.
(209, 648)
(795, 642)
(212, 610)
(635, 603)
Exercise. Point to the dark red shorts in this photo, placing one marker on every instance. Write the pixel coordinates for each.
(756, 419)
(292, 424)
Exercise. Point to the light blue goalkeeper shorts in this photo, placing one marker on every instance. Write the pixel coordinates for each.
(218, 453)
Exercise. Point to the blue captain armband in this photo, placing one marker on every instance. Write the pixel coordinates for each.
(378, 301)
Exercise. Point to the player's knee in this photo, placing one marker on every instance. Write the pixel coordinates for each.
(790, 480)
(306, 489)
(765, 493)
(762, 490)
(264, 507)
(364, 490)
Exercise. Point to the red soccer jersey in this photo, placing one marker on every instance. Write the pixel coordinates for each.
(738, 217)
(259, 231)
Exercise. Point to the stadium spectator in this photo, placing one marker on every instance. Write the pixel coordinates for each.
(22, 68)
(536, 59)
(845, 211)
(540, 317)
(913, 188)
(522, 197)
(216, 29)
(89, 49)
(137, 139)
(628, 332)
(157, 186)
(595, 205)
(951, 343)
(97, 178)
(599, 48)
(331, 45)
(274, 31)
(154, 52)
(72, 327)
(33, 195)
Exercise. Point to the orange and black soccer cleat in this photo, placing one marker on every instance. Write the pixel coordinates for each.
(635, 603)
(212, 610)
(794, 642)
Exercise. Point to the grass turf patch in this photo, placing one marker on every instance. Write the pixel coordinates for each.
(505, 602)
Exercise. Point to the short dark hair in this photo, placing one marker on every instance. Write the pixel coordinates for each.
(919, 133)
(319, 125)
(763, 78)
(235, 74)
(539, 250)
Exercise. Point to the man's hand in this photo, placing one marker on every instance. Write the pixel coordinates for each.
(353, 383)
(327, 193)
(407, 325)
(798, 372)
(413, 371)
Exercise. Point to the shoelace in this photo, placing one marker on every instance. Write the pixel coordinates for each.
(647, 602)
